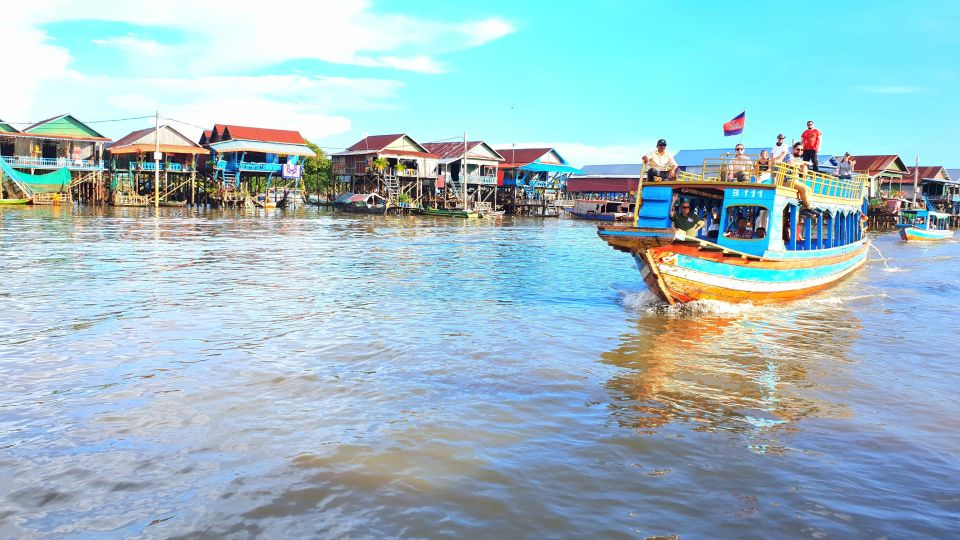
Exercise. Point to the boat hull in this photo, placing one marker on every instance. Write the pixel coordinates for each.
(913, 234)
(465, 214)
(14, 201)
(688, 271)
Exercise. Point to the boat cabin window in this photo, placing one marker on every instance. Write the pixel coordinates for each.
(746, 222)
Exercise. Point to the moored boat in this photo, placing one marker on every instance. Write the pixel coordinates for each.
(457, 213)
(924, 226)
(600, 210)
(813, 244)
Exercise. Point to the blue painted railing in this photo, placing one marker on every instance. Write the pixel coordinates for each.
(248, 166)
(52, 163)
(150, 166)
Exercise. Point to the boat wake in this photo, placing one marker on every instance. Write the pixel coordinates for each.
(647, 302)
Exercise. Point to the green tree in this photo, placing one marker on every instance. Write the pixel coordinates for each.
(317, 171)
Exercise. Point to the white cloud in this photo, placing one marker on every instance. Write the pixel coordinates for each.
(203, 61)
(891, 89)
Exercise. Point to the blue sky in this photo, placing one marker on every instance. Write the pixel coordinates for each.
(599, 80)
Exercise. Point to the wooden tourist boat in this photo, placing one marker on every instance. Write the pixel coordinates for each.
(924, 226)
(747, 265)
(600, 210)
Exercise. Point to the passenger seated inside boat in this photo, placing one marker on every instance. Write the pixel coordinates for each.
(760, 233)
(741, 231)
(685, 220)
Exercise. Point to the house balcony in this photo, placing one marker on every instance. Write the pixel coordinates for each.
(152, 166)
(248, 166)
(482, 180)
(27, 162)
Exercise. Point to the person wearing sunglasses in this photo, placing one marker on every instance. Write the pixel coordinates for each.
(660, 164)
(685, 220)
(740, 166)
(780, 151)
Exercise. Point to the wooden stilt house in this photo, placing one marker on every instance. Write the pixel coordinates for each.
(133, 167)
(263, 164)
(533, 180)
(477, 187)
(395, 167)
(60, 143)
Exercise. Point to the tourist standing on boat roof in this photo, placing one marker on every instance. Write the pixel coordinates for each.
(845, 167)
(780, 151)
(685, 220)
(811, 145)
(660, 164)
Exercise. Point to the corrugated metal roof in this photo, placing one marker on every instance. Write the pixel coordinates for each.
(550, 167)
(374, 142)
(285, 136)
(926, 171)
(522, 156)
(453, 149)
(97, 135)
(168, 137)
(262, 146)
(873, 164)
(954, 174)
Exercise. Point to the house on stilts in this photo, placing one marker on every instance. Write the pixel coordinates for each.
(475, 189)
(395, 167)
(134, 167)
(52, 160)
(532, 181)
(257, 165)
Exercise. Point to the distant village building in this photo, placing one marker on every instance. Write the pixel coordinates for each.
(934, 183)
(605, 181)
(885, 172)
(58, 143)
(132, 162)
(535, 171)
(390, 165)
(479, 186)
(253, 160)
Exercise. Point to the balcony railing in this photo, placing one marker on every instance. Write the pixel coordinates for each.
(52, 163)
(150, 166)
(481, 179)
(248, 166)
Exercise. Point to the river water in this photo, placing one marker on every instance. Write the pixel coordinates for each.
(311, 374)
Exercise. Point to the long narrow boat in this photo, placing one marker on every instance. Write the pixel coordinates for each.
(457, 213)
(924, 226)
(14, 201)
(745, 264)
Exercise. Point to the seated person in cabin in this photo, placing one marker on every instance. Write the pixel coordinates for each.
(760, 233)
(933, 224)
(660, 164)
(740, 166)
(741, 231)
(685, 220)
(713, 230)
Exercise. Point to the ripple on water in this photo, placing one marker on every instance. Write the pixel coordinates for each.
(301, 374)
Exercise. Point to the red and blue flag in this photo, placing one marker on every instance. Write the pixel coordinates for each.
(735, 126)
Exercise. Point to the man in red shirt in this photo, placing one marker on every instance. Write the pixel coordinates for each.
(811, 145)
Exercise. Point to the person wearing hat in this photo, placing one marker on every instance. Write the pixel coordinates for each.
(845, 166)
(780, 151)
(660, 164)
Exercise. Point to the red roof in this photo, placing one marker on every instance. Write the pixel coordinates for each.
(601, 185)
(874, 164)
(205, 138)
(374, 143)
(516, 157)
(453, 149)
(925, 171)
(284, 136)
